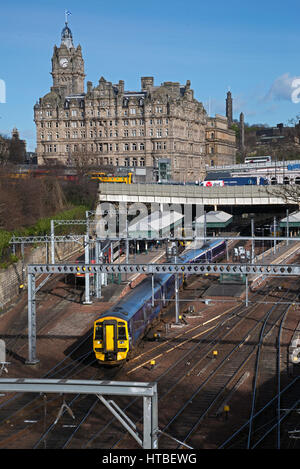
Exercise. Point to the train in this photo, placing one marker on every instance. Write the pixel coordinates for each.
(25, 173)
(236, 181)
(103, 177)
(68, 174)
(118, 331)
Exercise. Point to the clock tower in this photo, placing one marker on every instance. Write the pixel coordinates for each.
(67, 66)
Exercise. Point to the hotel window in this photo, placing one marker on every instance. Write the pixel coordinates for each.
(134, 162)
(134, 146)
(142, 161)
(125, 133)
(133, 133)
(132, 111)
(126, 146)
(151, 132)
(158, 132)
(127, 162)
(67, 148)
(74, 113)
(142, 146)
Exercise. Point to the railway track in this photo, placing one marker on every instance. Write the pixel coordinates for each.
(107, 435)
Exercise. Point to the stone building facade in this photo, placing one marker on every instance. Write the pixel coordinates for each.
(220, 142)
(161, 129)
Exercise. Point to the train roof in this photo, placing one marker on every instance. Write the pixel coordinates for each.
(133, 301)
(193, 253)
(137, 297)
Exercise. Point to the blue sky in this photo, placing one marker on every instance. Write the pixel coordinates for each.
(252, 49)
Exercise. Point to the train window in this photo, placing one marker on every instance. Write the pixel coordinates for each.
(99, 332)
(121, 333)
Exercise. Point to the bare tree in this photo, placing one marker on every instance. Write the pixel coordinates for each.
(289, 193)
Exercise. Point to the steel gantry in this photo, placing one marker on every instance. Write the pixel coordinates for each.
(154, 268)
(148, 391)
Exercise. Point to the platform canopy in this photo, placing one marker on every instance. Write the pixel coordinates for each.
(293, 222)
(157, 224)
(217, 219)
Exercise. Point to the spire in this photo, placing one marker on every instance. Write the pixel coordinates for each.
(66, 34)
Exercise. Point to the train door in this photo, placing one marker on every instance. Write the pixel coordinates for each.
(109, 335)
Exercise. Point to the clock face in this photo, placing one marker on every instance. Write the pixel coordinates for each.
(63, 62)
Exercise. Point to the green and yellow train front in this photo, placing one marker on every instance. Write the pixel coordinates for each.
(110, 340)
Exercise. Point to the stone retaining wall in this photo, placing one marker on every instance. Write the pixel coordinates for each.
(16, 274)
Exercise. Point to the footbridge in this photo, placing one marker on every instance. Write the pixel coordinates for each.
(188, 194)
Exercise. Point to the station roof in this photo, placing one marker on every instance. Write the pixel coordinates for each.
(156, 224)
(294, 220)
(217, 219)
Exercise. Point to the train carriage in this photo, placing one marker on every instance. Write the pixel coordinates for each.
(118, 330)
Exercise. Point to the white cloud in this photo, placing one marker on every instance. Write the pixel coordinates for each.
(282, 88)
